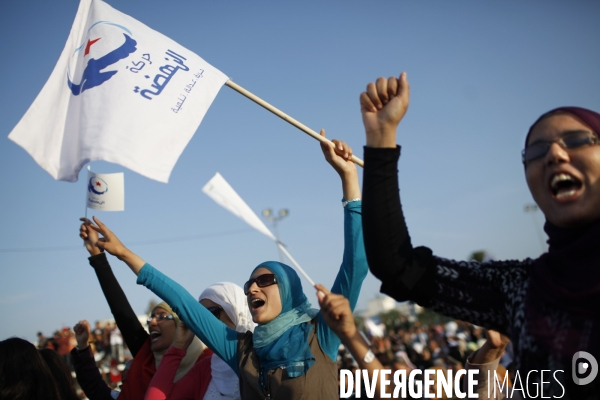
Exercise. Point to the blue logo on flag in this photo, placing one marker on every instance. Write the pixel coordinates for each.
(97, 186)
(92, 75)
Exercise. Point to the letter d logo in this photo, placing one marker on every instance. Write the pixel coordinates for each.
(582, 367)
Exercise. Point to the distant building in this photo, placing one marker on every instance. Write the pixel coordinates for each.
(382, 304)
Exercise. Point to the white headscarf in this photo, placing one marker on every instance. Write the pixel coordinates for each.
(232, 299)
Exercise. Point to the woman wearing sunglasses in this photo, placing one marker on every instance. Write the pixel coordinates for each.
(211, 378)
(548, 306)
(292, 352)
(146, 348)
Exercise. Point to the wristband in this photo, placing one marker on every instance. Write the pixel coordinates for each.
(345, 202)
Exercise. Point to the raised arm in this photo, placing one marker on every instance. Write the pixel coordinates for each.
(481, 293)
(218, 337)
(387, 243)
(132, 330)
(88, 375)
(354, 266)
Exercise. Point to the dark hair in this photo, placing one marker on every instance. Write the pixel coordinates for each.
(23, 372)
(62, 374)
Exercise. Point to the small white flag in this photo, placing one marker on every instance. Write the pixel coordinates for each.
(105, 192)
(120, 92)
(220, 191)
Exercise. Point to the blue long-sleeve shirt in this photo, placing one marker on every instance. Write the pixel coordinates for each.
(223, 340)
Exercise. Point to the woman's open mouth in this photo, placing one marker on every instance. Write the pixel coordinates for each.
(564, 186)
(256, 303)
(154, 336)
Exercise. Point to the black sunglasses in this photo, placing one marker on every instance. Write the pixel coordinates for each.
(263, 280)
(216, 311)
(571, 140)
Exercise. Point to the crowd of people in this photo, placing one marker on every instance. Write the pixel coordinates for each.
(449, 346)
(406, 344)
(264, 339)
(107, 343)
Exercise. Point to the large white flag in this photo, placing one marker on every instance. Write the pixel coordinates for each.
(120, 92)
(105, 192)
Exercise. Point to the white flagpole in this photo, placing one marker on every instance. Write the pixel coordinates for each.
(298, 267)
(87, 182)
(284, 116)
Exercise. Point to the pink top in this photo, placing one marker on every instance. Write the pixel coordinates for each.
(192, 386)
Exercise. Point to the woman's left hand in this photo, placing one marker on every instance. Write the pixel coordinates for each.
(111, 243)
(183, 336)
(336, 312)
(339, 155)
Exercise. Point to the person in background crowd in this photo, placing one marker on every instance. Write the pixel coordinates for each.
(44, 342)
(116, 344)
(65, 344)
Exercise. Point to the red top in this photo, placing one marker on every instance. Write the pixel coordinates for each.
(143, 369)
(191, 387)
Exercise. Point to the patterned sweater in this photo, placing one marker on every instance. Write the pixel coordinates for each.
(490, 294)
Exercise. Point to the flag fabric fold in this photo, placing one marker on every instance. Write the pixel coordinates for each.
(120, 92)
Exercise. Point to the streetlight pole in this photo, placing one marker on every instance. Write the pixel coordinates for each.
(532, 208)
(270, 216)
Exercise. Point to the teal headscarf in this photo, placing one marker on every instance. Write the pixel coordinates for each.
(283, 342)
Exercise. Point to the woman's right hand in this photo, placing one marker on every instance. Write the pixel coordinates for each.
(183, 336)
(383, 106)
(82, 334)
(89, 236)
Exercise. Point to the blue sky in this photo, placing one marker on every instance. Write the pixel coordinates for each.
(480, 73)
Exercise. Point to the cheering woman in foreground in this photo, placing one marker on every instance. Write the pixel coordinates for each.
(292, 353)
(549, 307)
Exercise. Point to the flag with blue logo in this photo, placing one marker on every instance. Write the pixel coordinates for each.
(105, 192)
(120, 92)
